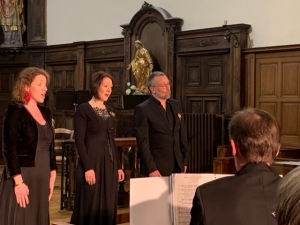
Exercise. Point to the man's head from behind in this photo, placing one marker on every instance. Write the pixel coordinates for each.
(255, 137)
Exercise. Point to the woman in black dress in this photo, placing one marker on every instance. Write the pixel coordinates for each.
(99, 168)
(28, 139)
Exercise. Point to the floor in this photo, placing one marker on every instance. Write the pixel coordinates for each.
(57, 215)
(61, 217)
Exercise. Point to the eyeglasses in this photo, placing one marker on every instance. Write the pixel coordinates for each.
(164, 86)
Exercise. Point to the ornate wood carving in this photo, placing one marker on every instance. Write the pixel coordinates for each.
(210, 66)
(37, 57)
(203, 43)
(36, 23)
(156, 28)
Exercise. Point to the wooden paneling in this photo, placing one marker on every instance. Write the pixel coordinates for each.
(209, 75)
(277, 86)
(108, 56)
(62, 78)
(36, 22)
(7, 78)
(274, 86)
(64, 118)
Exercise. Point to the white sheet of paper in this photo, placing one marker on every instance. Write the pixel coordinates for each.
(150, 201)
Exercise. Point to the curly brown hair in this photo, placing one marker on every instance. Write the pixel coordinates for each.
(25, 78)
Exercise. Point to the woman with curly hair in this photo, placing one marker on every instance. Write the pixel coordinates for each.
(28, 150)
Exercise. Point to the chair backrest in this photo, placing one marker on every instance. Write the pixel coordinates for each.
(61, 134)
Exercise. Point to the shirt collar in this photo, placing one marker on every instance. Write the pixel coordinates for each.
(158, 102)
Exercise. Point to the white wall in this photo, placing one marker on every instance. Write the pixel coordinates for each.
(274, 22)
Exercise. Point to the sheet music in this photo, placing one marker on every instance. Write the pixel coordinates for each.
(165, 200)
(183, 187)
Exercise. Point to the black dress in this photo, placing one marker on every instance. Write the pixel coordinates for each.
(37, 179)
(94, 138)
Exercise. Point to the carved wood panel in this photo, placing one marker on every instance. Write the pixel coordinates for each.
(156, 28)
(203, 103)
(36, 22)
(7, 78)
(63, 119)
(207, 64)
(62, 78)
(202, 83)
(277, 84)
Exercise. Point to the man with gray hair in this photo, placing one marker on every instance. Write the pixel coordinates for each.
(247, 198)
(160, 130)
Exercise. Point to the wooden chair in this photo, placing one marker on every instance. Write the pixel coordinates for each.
(61, 134)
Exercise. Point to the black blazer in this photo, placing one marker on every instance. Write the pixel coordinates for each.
(20, 138)
(158, 146)
(247, 198)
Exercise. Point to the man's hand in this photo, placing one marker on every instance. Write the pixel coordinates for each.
(185, 169)
(121, 175)
(90, 177)
(156, 173)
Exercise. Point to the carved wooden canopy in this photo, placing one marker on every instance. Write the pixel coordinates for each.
(155, 27)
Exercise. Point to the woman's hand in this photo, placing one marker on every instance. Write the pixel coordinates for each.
(121, 175)
(52, 182)
(22, 193)
(90, 177)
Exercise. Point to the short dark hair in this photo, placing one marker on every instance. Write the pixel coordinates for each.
(257, 135)
(153, 75)
(96, 80)
(288, 199)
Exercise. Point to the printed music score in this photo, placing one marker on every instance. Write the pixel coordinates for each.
(165, 200)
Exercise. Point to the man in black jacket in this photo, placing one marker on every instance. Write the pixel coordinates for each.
(247, 198)
(160, 130)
